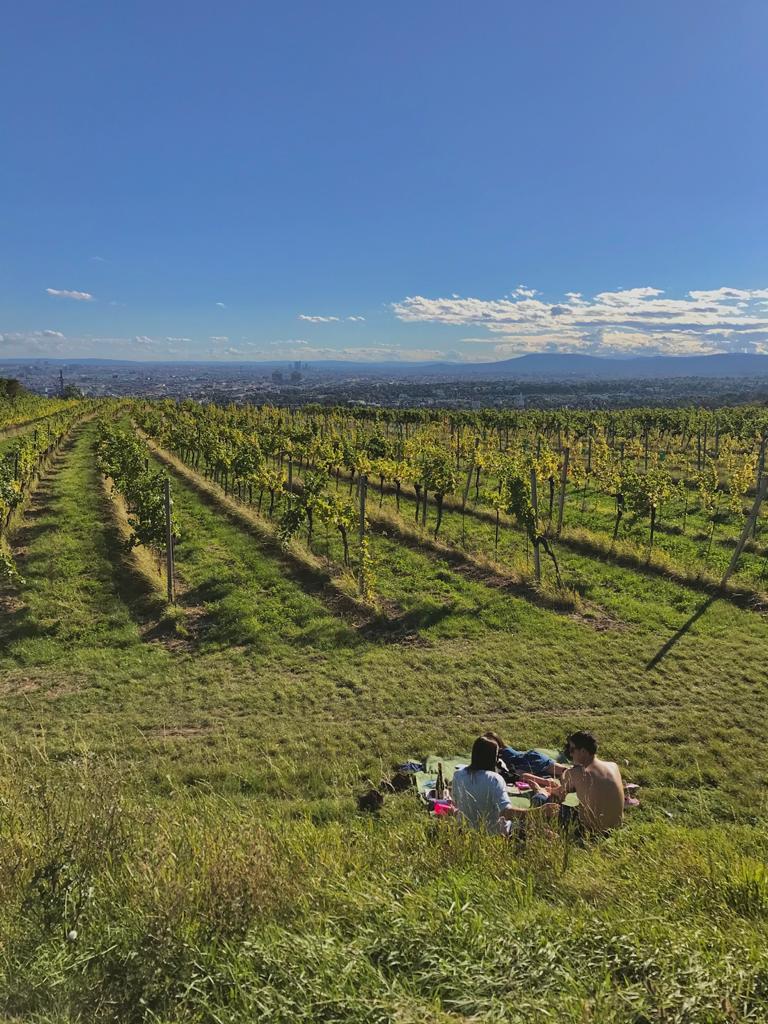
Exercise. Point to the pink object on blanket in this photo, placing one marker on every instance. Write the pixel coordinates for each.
(443, 807)
(522, 785)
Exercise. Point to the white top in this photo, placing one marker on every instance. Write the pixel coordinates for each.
(480, 797)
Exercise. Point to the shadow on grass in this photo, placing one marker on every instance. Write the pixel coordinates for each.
(742, 596)
(405, 627)
(681, 632)
(16, 623)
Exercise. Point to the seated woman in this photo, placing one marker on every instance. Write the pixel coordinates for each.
(480, 793)
(517, 763)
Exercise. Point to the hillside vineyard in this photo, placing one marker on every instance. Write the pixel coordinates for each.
(671, 489)
(220, 626)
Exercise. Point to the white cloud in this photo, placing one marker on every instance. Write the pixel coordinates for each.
(221, 305)
(178, 339)
(218, 337)
(98, 259)
(143, 339)
(27, 342)
(60, 293)
(629, 320)
(316, 319)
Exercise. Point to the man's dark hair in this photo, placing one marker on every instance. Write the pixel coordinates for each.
(484, 755)
(582, 740)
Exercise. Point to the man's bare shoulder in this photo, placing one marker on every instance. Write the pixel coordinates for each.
(606, 768)
(572, 777)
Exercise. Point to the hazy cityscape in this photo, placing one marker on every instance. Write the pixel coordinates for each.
(302, 383)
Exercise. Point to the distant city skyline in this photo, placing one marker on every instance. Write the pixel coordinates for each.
(438, 181)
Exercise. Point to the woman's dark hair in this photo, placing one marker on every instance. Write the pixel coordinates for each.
(484, 755)
(496, 739)
(582, 741)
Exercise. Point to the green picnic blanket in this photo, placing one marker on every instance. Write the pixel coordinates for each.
(452, 764)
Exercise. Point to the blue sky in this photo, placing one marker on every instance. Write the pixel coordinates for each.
(403, 180)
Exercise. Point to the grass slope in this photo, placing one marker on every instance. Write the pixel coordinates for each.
(186, 805)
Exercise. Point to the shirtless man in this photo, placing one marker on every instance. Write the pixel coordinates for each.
(596, 783)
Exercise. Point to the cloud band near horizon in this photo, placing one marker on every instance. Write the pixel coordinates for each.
(633, 321)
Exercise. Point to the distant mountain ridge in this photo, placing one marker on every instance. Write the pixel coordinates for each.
(560, 365)
(549, 366)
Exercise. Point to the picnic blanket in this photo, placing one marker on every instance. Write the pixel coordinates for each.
(427, 780)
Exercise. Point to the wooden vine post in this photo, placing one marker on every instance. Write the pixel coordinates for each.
(563, 482)
(759, 480)
(465, 495)
(752, 519)
(363, 490)
(168, 541)
(535, 505)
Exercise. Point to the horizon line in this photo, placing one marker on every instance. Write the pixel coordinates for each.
(392, 361)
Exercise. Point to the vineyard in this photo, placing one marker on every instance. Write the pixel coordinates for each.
(672, 491)
(217, 625)
(30, 436)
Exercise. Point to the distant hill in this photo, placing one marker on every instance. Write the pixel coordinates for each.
(555, 366)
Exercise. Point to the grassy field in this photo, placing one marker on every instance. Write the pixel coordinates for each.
(181, 793)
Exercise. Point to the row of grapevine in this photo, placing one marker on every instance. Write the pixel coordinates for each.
(124, 459)
(25, 409)
(21, 463)
(649, 464)
(251, 464)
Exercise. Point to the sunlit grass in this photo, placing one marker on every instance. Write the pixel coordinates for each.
(186, 802)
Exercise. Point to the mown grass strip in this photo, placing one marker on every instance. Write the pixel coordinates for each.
(78, 605)
(335, 590)
(579, 540)
(140, 581)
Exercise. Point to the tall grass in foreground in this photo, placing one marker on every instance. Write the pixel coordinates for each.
(119, 905)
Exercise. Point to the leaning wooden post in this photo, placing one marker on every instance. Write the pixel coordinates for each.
(760, 472)
(464, 497)
(290, 480)
(168, 540)
(746, 531)
(363, 488)
(535, 504)
(563, 482)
